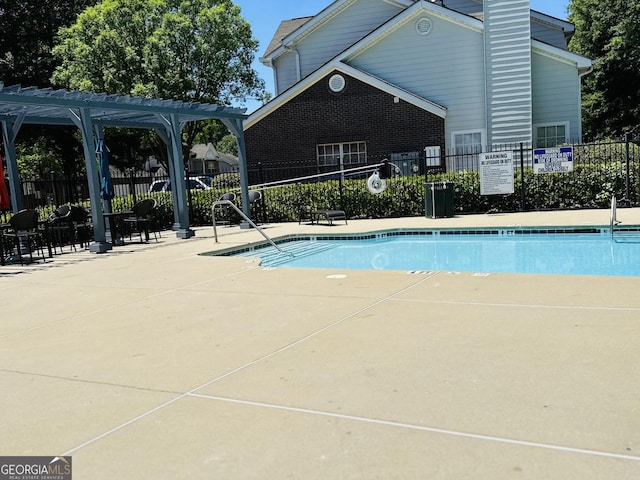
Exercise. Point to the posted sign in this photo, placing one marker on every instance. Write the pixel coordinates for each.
(553, 160)
(496, 173)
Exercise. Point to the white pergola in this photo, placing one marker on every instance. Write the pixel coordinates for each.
(91, 112)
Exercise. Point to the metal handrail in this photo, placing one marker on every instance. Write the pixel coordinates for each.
(229, 202)
(613, 220)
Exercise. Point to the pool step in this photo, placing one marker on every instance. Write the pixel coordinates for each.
(272, 258)
(626, 236)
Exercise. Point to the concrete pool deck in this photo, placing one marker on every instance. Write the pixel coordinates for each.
(153, 362)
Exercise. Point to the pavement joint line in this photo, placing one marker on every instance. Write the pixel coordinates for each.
(443, 431)
(90, 382)
(519, 305)
(193, 391)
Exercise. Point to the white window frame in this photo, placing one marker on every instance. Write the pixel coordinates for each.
(460, 160)
(547, 125)
(341, 153)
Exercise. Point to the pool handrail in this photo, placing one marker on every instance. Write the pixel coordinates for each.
(613, 220)
(230, 203)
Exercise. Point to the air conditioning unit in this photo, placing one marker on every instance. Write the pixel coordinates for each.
(407, 162)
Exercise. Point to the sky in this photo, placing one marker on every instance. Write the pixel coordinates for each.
(265, 16)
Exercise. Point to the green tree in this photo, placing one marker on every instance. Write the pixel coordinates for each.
(608, 32)
(228, 144)
(194, 50)
(29, 29)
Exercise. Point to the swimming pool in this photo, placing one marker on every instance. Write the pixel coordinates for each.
(583, 251)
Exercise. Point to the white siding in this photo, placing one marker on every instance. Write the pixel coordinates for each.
(446, 66)
(343, 31)
(286, 71)
(556, 94)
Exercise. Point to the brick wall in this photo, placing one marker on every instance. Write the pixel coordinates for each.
(360, 112)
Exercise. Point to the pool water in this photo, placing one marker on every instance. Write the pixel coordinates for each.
(576, 254)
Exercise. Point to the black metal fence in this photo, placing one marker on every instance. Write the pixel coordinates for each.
(600, 170)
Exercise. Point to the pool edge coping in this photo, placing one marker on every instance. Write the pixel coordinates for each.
(392, 232)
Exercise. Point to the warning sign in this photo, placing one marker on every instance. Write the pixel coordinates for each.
(553, 160)
(496, 173)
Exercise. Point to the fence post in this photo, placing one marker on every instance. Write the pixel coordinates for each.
(132, 184)
(340, 188)
(628, 177)
(522, 189)
(263, 204)
(53, 188)
(187, 185)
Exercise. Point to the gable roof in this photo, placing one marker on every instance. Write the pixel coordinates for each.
(202, 151)
(286, 28)
(339, 66)
(297, 29)
(291, 31)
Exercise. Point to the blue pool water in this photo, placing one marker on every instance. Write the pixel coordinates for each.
(566, 253)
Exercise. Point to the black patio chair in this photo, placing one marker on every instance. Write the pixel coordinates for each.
(81, 220)
(140, 218)
(227, 213)
(255, 202)
(26, 233)
(61, 228)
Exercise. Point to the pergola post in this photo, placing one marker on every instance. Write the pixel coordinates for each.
(235, 127)
(176, 171)
(9, 132)
(83, 121)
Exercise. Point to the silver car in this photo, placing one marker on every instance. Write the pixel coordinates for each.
(203, 182)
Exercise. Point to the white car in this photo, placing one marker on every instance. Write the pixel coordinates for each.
(203, 182)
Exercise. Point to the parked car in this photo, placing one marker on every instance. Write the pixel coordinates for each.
(203, 182)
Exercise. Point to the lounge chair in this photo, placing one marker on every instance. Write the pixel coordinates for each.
(328, 215)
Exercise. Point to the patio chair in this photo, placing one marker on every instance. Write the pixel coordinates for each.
(255, 200)
(81, 220)
(69, 224)
(228, 196)
(140, 218)
(227, 213)
(26, 233)
(61, 228)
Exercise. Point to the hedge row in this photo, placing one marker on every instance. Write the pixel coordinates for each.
(589, 186)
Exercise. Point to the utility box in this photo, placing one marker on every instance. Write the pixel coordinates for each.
(439, 199)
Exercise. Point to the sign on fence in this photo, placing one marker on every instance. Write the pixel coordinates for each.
(496, 173)
(553, 160)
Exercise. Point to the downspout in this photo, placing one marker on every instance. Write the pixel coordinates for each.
(298, 68)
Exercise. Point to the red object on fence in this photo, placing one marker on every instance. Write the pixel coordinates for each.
(5, 201)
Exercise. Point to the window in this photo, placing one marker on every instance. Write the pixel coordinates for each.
(342, 153)
(467, 143)
(328, 154)
(466, 147)
(551, 135)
